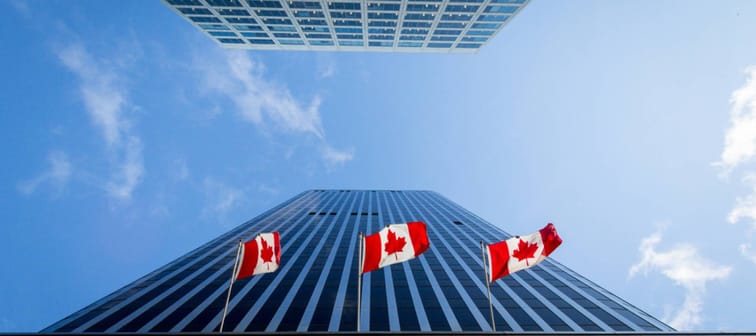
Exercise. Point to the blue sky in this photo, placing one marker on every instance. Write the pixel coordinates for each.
(129, 138)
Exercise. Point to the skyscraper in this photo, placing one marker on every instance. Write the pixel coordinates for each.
(315, 287)
(441, 26)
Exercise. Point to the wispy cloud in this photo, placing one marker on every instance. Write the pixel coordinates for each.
(687, 268)
(739, 150)
(266, 189)
(745, 207)
(334, 157)
(22, 6)
(220, 198)
(6, 325)
(181, 170)
(105, 99)
(268, 105)
(740, 138)
(128, 174)
(747, 252)
(57, 174)
(326, 65)
(327, 70)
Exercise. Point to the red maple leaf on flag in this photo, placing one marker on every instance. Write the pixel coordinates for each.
(525, 250)
(394, 245)
(266, 252)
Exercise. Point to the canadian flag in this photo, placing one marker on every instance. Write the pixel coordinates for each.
(394, 244)
(522, 252)
(259, 255)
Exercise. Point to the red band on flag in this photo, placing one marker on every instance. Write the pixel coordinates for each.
(419, 237)
(371, 260)
(277, 244)
(551, 239)
(248, 259)
(498, 258)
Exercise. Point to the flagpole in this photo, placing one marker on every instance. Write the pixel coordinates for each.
(359, 282)
(231, 284)
(488, 285)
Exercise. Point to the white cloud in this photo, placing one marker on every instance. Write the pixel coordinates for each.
(740, 138)
(334, 157)
(182, 169)
(745, 207)
(746, 251)
(22, 6)
(327, 71)
(258, 100)
(264, 103)
(57, 174)
(220, 198)
(264, 188)
(129, 172)
(105, 99)
(739, 149)
(6, 325)
(688, 269)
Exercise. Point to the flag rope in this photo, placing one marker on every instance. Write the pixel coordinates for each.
(359, 280)
(231, 284)
(488, 285)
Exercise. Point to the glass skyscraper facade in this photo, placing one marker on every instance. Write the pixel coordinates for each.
(315, 288)
(446, 26)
